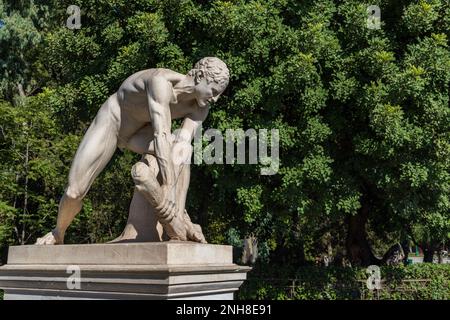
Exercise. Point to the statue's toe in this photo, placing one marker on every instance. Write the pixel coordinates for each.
(197, 234)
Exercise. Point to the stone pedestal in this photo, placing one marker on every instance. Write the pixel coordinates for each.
(155, 270)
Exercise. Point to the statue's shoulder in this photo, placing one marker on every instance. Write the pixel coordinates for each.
(167, 74)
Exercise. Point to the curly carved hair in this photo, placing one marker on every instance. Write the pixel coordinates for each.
(213, 69)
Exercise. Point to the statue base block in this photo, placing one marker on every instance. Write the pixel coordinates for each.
(152, 270)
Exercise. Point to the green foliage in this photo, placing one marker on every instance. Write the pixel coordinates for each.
(419, 281)
(32, 170)
(363, 115)
(19, 42)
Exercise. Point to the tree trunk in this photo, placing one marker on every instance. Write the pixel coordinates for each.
(16, 229)
(358, 248)
(20, 90)
(25, 200)
(440, 257)
(428, 255)
(405, 247)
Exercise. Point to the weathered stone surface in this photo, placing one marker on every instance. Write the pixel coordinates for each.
(157, 253)
(165, 270)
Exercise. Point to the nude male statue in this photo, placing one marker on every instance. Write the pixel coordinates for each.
(138, 117)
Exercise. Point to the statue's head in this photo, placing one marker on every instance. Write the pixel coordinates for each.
(211, 77)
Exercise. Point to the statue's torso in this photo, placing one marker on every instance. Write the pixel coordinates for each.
(132, 95)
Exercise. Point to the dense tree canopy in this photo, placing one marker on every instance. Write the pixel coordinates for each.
(363, 114)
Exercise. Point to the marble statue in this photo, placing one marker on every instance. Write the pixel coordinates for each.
(138, 118)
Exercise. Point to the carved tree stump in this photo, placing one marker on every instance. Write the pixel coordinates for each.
(175, 220)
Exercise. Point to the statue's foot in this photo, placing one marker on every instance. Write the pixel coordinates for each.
(49, 239)
(197, 235)
(194, 232)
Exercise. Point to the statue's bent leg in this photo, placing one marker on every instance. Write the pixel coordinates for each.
(194, 231)
(142, 141)
(142, 224)
(167, 212)
(93, 154)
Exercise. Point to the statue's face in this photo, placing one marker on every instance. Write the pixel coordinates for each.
(206, 93)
